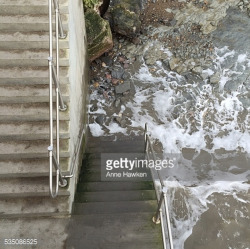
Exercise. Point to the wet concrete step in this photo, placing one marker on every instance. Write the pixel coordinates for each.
(114, 207)
(110, 196)
(121, 147)
(28, 40)
(124, 230)
(111, 186)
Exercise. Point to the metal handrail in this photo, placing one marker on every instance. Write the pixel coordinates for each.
(54, 158)
(162, 197)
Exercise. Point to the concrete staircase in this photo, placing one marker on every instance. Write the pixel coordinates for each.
(113, 214)
(24, 110)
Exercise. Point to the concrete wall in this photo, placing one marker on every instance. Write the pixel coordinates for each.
(78, 78)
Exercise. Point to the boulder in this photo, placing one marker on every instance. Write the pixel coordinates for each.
(99, 36)
(125, 17)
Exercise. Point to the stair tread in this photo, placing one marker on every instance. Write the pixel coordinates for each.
(29, 109)
(109, 196)
(31, 136)
(29, 2)
(38, 186)
(115, 207)
(28, 99)
(36, 205)
(22, 118)
(27, 18)
(30, 155)
(13, 168)
(22, 90)
(111, 186)
(31, 39)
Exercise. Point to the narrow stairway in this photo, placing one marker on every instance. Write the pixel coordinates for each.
(115, 214)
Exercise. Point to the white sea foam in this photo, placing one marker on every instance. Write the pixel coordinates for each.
(195, 200)
(96, 130)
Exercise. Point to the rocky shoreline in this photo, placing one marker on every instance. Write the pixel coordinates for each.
(182, 44)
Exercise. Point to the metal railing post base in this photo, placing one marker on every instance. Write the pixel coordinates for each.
(62, 37)
(156, 220)
(63, 184)
(63, 109)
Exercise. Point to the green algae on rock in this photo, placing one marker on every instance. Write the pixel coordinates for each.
(99, 35)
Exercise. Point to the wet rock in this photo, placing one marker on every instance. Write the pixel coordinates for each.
(209, 19)
(215, 79)
(117, 73)
(100, 119)
(122, 87)
(94, 108)
(204, 75)
(197, 70)
(99, 36)
(181, 69)
(173, 63)
(117, 102)
(125, 17)
(107, 60)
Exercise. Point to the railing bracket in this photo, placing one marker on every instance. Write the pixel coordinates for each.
(64, 184)
(156, 221)
(65, 107)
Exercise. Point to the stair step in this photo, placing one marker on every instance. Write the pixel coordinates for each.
(113, 147)
(29, 90)
(31, 118)
(114, 138)
(32, 136)
(28, 22)
(13, 168)
(27, 109)
(33, 206)
(31, 57)
(28, 72)
(31, 155)
(27, 128)
(26, 7)
(77, 243)
(114, 186)
(26, 187)
(114, 207)
(28, 40)
(111, 196)
(29, 146)
(28, 99)
(29, 2)
(123, 230)
(90, 177)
